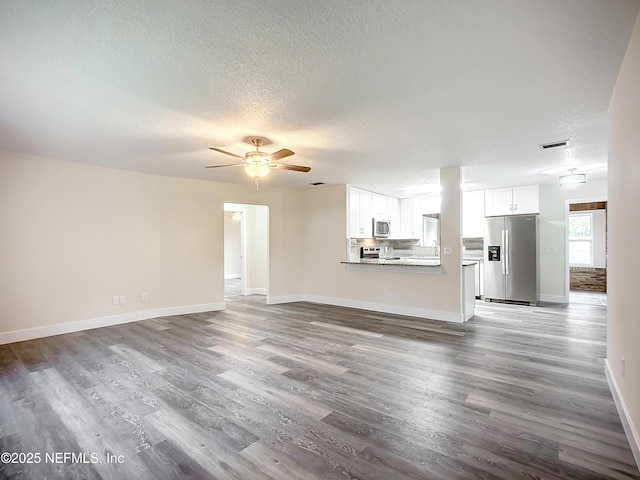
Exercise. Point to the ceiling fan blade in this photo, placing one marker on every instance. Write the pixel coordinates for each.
(227, 165)
(295, 168)
(285, 152)
(225, 152)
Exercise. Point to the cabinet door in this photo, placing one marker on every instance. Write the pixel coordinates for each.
(365, 228)
(393, 212)
(473, 214)
(498, 201)
(407, 218)
(526, 199)
(380, 206)
(354, 212)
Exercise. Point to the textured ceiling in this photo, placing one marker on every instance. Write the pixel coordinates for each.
(373, 93)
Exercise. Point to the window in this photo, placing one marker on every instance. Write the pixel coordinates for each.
(581, 239)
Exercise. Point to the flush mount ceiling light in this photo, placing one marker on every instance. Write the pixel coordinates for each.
(258, 164)
(572, 178)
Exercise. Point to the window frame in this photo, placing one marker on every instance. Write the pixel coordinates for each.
(588, 240)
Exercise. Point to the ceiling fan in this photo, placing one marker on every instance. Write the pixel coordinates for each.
(258, 164)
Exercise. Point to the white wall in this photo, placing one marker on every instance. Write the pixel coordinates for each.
(623, 326)
(554, 285)
(74, 235)
(257, 223)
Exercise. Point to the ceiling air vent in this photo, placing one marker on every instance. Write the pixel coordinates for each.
(562, 143)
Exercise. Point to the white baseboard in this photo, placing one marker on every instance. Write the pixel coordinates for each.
(88, 324)
(627, 423)
(376, 307)
(285, 299)
(256, 291)
(553, 298)
(456, 317)
(60, 328)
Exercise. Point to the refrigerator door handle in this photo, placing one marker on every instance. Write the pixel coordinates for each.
(503, 262)
(506, 252)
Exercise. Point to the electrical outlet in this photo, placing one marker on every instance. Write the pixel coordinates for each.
(144, 297)
(623, 366)
(116, 300)
(123, 299)
(448, 251)
(552, 249)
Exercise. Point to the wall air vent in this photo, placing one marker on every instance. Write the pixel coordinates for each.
(562, 143)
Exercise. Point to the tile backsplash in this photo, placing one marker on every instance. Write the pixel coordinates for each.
(394, 248)
(472, 247)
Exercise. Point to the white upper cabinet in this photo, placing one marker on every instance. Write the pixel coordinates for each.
(409, 227)
(364, 206)
(412, 210)
(526, 199)
(380, 206)
(393, 211)
(354, 213)
(498, 201)
(473, 214)
(511, 201)
(360, 215)
(365, 215)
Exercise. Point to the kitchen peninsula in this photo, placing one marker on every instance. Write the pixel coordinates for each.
(419, 266)
(369, 258)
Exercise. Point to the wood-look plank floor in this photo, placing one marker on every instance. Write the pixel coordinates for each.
(307, 391)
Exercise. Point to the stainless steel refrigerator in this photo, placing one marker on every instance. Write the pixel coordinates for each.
(511, 259)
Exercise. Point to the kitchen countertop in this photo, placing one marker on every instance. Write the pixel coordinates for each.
(407, 262)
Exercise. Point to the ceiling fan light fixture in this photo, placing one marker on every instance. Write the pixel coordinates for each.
(258, 164)
(572, 179)
(257, 170)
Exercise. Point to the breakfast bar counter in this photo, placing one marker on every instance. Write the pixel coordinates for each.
(404, 265)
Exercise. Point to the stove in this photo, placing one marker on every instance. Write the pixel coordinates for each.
(369, 252)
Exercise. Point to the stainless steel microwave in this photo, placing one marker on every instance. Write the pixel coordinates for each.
(381, 227)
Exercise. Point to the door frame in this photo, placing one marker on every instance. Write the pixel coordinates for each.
(567, 202)
(236, 208)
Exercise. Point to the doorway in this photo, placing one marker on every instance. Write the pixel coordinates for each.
(587, 251)
(234, 253)
(246, 250)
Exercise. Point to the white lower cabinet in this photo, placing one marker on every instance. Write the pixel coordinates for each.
(468, 291)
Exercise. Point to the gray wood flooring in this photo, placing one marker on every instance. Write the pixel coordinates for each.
(306, 391)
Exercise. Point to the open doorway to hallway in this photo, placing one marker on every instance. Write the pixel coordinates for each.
(587, 252)
(246, 250)
(233, 253)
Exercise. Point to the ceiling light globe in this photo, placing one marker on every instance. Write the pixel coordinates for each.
(257, 170)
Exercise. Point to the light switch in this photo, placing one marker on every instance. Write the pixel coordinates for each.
(116, 300)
